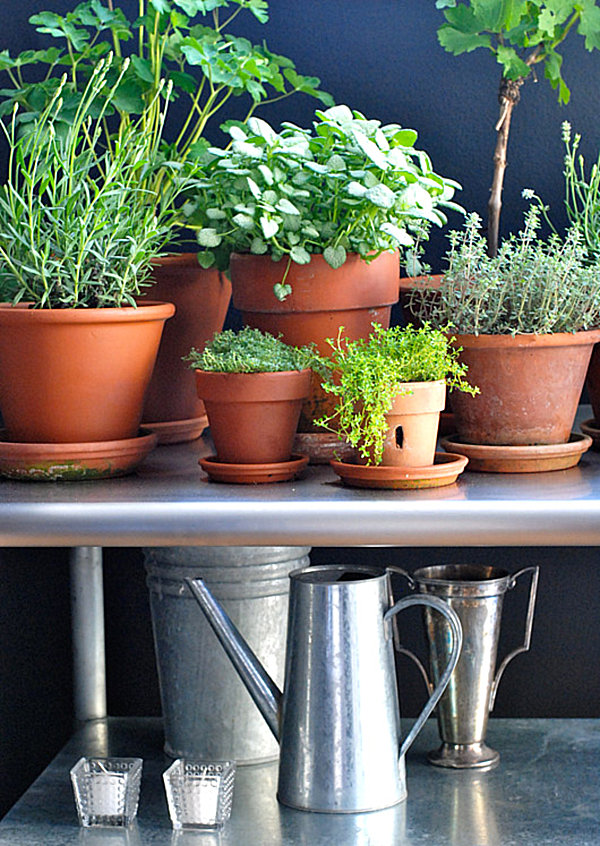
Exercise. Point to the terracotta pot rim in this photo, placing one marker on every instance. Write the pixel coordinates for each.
(188, 259)
(269, 387)
(20, 313)
(549, 339)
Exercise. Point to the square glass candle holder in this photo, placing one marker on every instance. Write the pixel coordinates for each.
(107, 790)
(199, 793)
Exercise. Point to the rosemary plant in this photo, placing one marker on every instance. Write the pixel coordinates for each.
(582, 192)
(370, 372)
(79, 227)
(250, 351)
(530, 286)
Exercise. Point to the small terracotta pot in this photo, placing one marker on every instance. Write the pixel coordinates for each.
(530, 387)
(253, 416)
(201, 298)
(413, 422)
(354, 296)
(76, 375)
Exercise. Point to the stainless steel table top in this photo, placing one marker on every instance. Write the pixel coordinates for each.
(544, 793)
(169, 502)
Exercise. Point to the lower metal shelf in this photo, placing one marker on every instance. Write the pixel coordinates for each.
(544, 792)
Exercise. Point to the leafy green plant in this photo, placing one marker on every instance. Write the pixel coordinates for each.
(530, 286)
(250, 351)
(78, 226)
(369, 373)
(582, 193)
(522, 35)
(183, 43)
(349, 185)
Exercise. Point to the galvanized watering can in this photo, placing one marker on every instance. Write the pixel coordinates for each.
(476, 593)
(337, 720)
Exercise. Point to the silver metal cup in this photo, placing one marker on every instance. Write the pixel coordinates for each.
(476, 593)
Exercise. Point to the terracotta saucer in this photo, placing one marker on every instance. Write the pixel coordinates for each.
(73, 462)
(444, 471)
(178, 431)
(520, 459)
(322, 447)
(252, 474)
(590, 427)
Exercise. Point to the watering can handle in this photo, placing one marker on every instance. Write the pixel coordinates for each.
(392, 568)
(456, 634)
(535, 572)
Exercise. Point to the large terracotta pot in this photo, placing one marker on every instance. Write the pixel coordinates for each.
(353, 296)
(593, 382)
(253, 416)
(413, 422)
(172, 407)
(530, 387)
(76, 375)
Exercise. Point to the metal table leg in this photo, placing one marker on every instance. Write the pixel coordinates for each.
(87, 621)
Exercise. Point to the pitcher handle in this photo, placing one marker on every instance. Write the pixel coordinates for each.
(535, 572)
(400, 571)
(456, 634)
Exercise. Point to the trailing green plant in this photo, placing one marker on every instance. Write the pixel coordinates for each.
(530, 286)
(522, 35)
(369, 373)
(349, 185)
(177, 49)
(79, 226)
(250, 351)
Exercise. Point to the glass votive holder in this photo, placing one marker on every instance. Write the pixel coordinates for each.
(199, 793)
(107, 790)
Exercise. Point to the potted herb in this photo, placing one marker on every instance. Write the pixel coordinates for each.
(187, 44)
(389, 390)
(525, 322)
(252, 385)
(314, 219)
(77, 236)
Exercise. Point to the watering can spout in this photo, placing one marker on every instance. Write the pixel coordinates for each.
(260, 685)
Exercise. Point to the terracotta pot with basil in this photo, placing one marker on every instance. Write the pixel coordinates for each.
(76, 245)
(252, 385)
(525, 325)
(315, 220)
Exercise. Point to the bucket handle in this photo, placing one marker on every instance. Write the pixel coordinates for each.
(392, 568)
(456, 636)
(535, 572)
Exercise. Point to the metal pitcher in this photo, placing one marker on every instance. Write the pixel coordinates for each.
(475, 592)
(337, 720)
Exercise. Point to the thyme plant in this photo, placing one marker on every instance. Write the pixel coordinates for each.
(349, 185)
(531, 286)
(369, 373)
(78, 226)
(250, 351)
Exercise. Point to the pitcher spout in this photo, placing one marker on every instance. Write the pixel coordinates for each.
(260, 685)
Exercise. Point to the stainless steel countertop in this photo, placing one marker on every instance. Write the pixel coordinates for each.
(169, 502)
(543, 793)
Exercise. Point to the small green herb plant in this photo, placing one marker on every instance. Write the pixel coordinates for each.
(349, 185)
(250, 351)
(530, 286)
(366, 375)
(582, 192)
(78, 226)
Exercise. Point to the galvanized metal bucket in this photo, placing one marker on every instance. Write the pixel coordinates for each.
(207, 711)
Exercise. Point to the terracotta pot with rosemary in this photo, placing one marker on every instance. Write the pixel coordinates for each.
(252, 385)
(389, 390)
(525, 321)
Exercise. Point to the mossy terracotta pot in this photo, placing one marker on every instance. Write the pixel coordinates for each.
(76, 375)
(201, 297)
(354, 296)
(529, 385)
(253, 416)
(413, 422)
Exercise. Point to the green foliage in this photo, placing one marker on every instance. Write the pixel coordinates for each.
(183, 43)
(582, 193)
(250, 351)
(369, 373)
(531, 286)
(349, 185)
(79, 227)
(521, 33)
